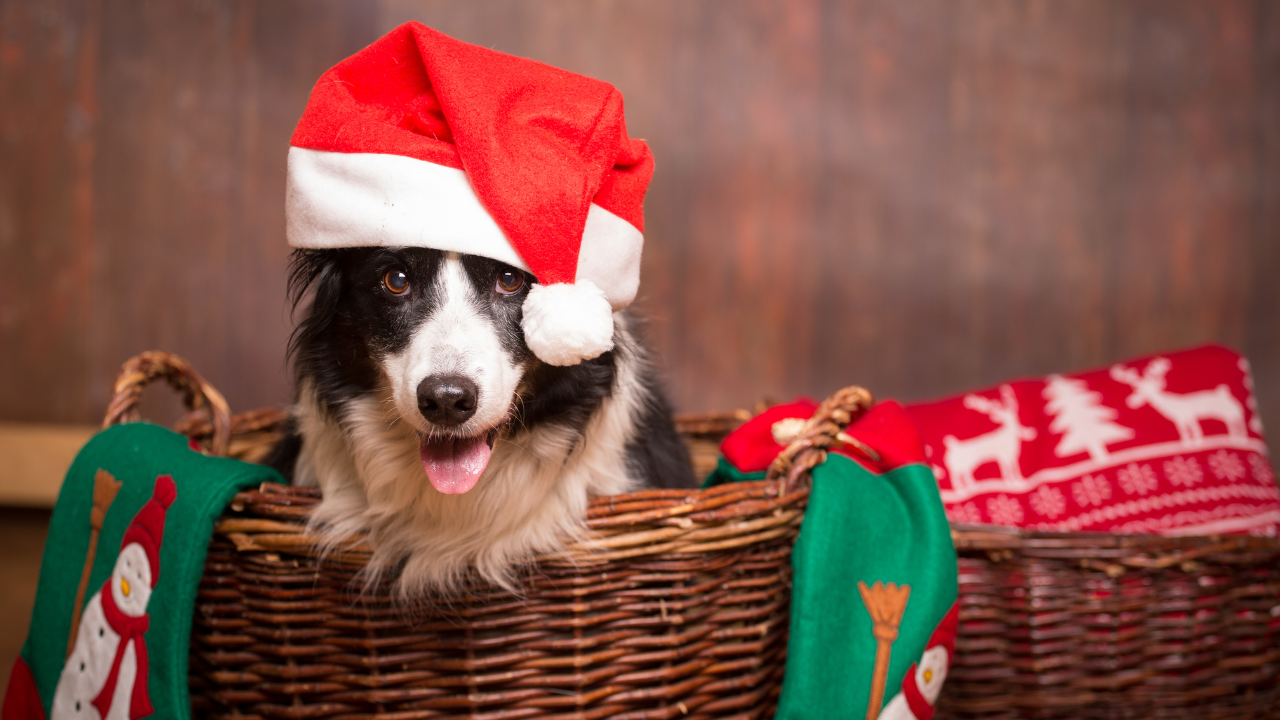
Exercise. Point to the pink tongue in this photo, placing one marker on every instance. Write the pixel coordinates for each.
(454, 466)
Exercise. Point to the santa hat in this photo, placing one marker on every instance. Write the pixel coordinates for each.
(420, 140)
(147, 527)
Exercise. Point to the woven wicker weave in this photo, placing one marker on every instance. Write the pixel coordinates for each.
(679, 607)
(693, 621)
(1084, 625)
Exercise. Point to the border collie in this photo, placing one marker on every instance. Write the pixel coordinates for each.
(427, 423)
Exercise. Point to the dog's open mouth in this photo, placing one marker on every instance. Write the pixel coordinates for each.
(454, 465)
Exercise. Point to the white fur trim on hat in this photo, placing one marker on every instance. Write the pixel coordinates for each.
(335, 199)
(610, 256)
(338, 199)
(566, 324)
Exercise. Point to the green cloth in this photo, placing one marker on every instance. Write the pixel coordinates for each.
(725, 472)
(862, 526)
(135, 454)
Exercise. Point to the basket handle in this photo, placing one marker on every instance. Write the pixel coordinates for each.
(197, 394)
(824, 429)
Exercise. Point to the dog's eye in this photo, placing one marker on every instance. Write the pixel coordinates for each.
(510, 282)
(396, 282)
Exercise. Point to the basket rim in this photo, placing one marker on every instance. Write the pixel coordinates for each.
(210, 421)
(274, 518)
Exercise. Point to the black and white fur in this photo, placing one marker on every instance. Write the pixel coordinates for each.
(558, 434)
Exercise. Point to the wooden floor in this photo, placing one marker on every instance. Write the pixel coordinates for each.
(22, 534)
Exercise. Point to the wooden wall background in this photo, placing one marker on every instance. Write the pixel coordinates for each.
(921, 196)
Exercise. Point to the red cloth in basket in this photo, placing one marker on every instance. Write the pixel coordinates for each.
(1167, 444)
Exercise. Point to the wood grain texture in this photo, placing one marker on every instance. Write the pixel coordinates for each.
(142, 189)
(916, 196)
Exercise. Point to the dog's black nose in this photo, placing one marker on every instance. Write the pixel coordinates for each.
(447, 399)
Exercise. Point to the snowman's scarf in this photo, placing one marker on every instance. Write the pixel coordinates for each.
(130, 629)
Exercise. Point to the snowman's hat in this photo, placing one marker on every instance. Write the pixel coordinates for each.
(147, 527)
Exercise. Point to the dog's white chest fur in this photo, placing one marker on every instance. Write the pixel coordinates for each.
(532, 496)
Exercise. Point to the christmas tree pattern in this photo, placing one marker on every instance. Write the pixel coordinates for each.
(1078, 413)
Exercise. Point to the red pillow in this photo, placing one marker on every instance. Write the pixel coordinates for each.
(1170, 444)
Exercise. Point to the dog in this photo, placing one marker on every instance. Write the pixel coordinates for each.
(428, 424)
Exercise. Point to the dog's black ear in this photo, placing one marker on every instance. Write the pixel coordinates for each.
(316, 273)
(305, 267)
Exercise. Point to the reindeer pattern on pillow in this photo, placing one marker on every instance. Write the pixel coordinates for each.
(1170, 443)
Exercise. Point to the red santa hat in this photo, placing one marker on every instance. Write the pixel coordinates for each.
(147, 527)
(420, 140)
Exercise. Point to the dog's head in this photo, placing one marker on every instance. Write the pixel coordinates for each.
(438, 332)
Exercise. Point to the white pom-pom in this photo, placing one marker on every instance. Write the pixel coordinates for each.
(566, 324)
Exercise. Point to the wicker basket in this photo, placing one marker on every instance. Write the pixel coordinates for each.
(676, 604)
(679, 607)
(1092, 625)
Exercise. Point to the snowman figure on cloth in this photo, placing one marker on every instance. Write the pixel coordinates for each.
(105, 677)
(923, 682)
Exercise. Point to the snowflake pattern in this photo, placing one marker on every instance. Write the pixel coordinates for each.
(1005, 510)
(1261, 470)
(1137, 479)
(1226, 466)
(1091, 490)
(966, 513)
(1183, 471)
(1048, 501)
